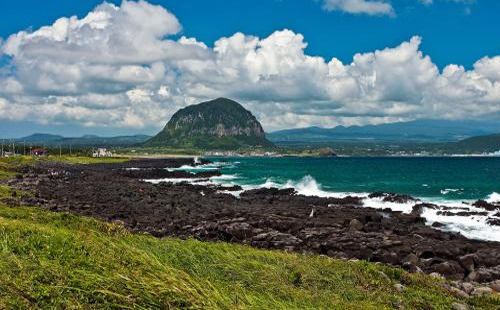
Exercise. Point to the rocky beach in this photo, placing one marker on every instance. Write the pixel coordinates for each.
(266, 218)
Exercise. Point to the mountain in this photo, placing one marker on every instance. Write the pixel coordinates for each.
(413, 131)
(480, 144)
(218, 124)
(41, 137)
(84, 141)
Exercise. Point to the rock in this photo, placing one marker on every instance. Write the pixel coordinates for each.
(485, 205)
(399, 287)
(411, 268)
(468, 262)
(495, 286)
(458, 306)
(386, 277)
(451, 270)
(437, 276)
(493, 222)
(458, 293)
(411, 259)
(392, 197)
(482, 275)
(482, 291)
(390, 258)
(355, 225)
(437, 224)
(467, 287)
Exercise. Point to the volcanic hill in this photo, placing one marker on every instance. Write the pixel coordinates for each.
(220, 124)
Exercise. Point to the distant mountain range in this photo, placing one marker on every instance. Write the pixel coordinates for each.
(413, 131)
(216, 129)
(50, 140)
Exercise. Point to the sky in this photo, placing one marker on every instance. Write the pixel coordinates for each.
(77, 67)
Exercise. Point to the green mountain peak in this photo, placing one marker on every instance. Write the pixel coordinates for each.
(217, 124)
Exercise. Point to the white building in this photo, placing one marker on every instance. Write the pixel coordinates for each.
(101, 153)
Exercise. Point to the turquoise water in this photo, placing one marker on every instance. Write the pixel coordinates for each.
(455, 178)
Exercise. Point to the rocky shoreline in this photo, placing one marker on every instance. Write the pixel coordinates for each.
(264, 218)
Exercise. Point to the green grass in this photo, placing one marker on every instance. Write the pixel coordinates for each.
(9, 162)
(62, 261)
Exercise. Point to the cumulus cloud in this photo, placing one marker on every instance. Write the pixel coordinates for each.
(119, 67)
(429, 2)
(370, 7)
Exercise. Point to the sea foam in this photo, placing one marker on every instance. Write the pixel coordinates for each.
(493, 197)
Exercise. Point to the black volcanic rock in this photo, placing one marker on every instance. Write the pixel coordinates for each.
(218, 124)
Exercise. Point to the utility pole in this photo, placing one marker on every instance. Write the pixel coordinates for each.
(60, 151)
(2, 147)
(70, 153)
(14, 146)
(24, 152)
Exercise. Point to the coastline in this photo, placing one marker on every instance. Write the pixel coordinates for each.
(264, 218)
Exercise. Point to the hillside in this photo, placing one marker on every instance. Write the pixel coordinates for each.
(83, 141)
(413, 131)
(218, 124)
(479, 144)
(58, 261)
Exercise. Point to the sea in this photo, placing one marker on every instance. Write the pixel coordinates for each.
(454, 182)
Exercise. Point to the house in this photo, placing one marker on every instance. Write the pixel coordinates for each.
(101, 153)
(38, 151)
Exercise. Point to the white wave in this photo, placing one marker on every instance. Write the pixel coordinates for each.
(446, 191)
(493, 197)
(226, 177)
(378, 203)
(472, 227)
(308, 186)
(196, 181)
(197, 168)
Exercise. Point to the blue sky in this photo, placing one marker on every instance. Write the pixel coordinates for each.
(452, 32)
(449, 31)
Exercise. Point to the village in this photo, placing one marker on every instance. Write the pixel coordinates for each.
(10, 149)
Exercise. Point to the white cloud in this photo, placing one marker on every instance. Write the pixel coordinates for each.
(426, 2)
(370, 7)
(429, 2)
(118, 67)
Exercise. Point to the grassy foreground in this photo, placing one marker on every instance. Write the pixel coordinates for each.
(63, 261)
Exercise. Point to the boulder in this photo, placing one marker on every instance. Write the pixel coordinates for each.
(468, 262)
(458, 306)
(399, 287)
(458, 292)
(467, 287)
(411, 259)
(437, 275)
(355, 225)
(495, 286)
(482, 291)
(452, 270)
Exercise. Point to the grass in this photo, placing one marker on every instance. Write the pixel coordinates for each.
(62, 261)
(9, 163)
